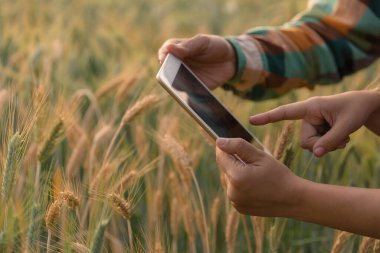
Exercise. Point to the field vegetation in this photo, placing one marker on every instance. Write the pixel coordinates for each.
(96, 157)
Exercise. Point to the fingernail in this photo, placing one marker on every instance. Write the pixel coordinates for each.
(221, 142)
(319, 151)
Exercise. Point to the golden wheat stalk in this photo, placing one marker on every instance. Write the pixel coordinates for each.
(68, 197)
(110, 85)
(376, 246)
(174, 223)
(340, 241)
(77, 157)
(136, 109)
(50, 143)
(258, 224)
(283, 140)
(179, 154)
(80, 248)
(145, 103)
(16, 149)
(189, 227)
(51, 220)
(124, 208)
(97, 242)
(231, 230)
(121, 205)
(366, 245)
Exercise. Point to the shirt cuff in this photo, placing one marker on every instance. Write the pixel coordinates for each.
(249, 63)
(241, 60)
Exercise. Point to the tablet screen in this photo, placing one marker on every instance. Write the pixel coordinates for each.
(207, 107)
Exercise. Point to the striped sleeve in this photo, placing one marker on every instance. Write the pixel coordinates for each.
(331, 39)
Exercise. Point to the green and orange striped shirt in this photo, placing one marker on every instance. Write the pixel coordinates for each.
(329, 40)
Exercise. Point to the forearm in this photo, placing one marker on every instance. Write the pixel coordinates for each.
(322, 45)
(373, 122)
(356, 210)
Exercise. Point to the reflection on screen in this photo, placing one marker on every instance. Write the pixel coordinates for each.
(207, 107)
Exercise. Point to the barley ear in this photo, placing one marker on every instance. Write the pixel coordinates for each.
(97, 243)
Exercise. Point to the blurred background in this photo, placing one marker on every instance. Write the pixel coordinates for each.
(70, 46)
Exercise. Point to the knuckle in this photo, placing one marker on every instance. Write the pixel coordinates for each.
(240, 143)
(305, 144)
(233, 196)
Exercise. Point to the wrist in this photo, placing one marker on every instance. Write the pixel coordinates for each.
(299, 198)
(240, 60)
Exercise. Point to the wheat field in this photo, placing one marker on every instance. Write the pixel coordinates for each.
(96, 157)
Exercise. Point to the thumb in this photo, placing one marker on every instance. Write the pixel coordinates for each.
(237, 146)
(332, 140)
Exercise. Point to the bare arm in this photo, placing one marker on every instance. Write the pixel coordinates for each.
(356, 210)
(265, 187)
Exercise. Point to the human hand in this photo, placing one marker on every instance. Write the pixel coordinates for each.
(262, 186)
(210, 57)
(327, 121)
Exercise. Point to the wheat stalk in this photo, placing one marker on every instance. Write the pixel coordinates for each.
(33, 227)
(340, 241)
(376, 246)
(189, 227)
(122, 206)
(142, 104)
(174, 223)
(51, 220)
(231, 230)
(366, 245)
(97, 242)
(50, 143)
(258, 224)
(283, 140)
(179, 154)
(16, 150)
(110, 85)
(80, 248)
(77, 157)
(68, 197)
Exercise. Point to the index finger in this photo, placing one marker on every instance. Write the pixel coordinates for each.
(285, 112)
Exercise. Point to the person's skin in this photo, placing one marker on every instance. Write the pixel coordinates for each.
(328, 121)
(210, 57)
(265, 187)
